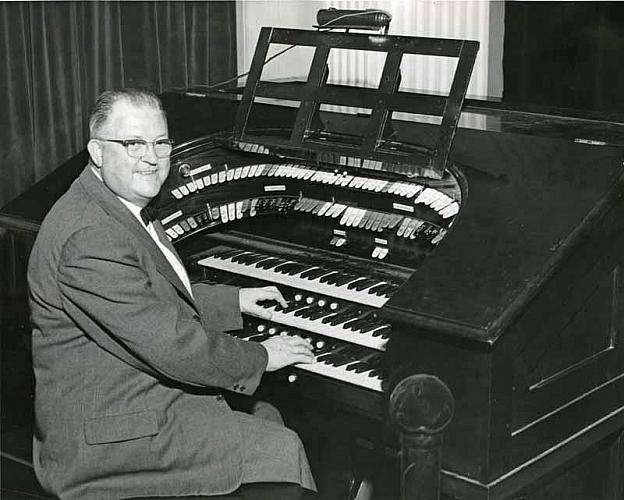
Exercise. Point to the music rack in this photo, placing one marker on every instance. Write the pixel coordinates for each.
(373, 149)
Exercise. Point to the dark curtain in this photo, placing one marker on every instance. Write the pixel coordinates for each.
(56, 57)
(565, 54)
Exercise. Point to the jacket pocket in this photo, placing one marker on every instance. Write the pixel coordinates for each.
(123, 427)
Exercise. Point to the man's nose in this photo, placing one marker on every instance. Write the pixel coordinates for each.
(150, 155)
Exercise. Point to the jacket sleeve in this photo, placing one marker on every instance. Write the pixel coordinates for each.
(219, 304)
(112, 285)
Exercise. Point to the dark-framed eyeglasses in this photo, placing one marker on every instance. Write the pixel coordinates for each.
(136, 148)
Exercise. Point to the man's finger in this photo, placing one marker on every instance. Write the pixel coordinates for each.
(299, 341)
(302, 358)
(260, 312)
(275, 294)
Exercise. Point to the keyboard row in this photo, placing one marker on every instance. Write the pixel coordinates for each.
(443, 204)
(333, 359)
(332, 318)
(345, 285)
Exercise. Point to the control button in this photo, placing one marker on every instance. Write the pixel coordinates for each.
(292, 378)
(220, 398)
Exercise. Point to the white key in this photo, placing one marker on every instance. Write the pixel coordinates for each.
(324, 208)
(342, 374)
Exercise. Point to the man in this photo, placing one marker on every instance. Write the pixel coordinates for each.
(129, 357)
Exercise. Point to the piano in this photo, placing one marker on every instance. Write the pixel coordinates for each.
(462, 287)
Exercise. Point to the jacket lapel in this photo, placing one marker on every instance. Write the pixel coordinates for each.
(111, 204)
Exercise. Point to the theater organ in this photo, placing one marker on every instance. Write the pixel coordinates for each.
(489, 260)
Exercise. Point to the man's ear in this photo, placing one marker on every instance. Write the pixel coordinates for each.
(95, 152)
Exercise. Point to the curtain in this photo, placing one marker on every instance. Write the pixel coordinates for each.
(56, 57)
(565, 54)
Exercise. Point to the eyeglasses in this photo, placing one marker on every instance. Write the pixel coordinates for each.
(136, 148)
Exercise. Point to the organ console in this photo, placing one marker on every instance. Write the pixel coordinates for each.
(457, 281)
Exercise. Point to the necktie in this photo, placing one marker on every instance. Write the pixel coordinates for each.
(147, 215)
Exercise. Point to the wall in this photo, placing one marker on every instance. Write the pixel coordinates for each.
(475, 20)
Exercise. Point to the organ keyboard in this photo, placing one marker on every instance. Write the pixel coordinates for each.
(313, 278)
(342, 361)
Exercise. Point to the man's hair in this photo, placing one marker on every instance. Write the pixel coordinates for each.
(104, 105)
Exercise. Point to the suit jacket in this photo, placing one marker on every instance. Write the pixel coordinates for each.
(122, 356)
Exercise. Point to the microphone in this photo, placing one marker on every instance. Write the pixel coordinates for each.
(369, 19)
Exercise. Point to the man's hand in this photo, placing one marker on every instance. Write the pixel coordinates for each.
(248, 299)
(284, 350)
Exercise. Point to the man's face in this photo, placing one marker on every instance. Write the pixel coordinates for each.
(137, 180)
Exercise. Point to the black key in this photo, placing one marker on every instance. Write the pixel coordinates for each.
(244, 258)
(329, 278)
(323, 311)
(326, 313)
(356, 366)
(268, 263)
(228, 253)
(290, 268)
(303, 311)
(336, 357)
(314, 273)
(278, 263)
(370, 324)
(261, 337)
(293, 306)
(358, 321)
(387, 290)
(379, 288)
(345, 278)
(324, 357)
(342, 317)
(256, 257)
(382, 331)
(327, 348)
(339, 313)
(341, 362)
(246, 334)
(362, 284)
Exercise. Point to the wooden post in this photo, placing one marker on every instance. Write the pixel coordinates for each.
(421, 406)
